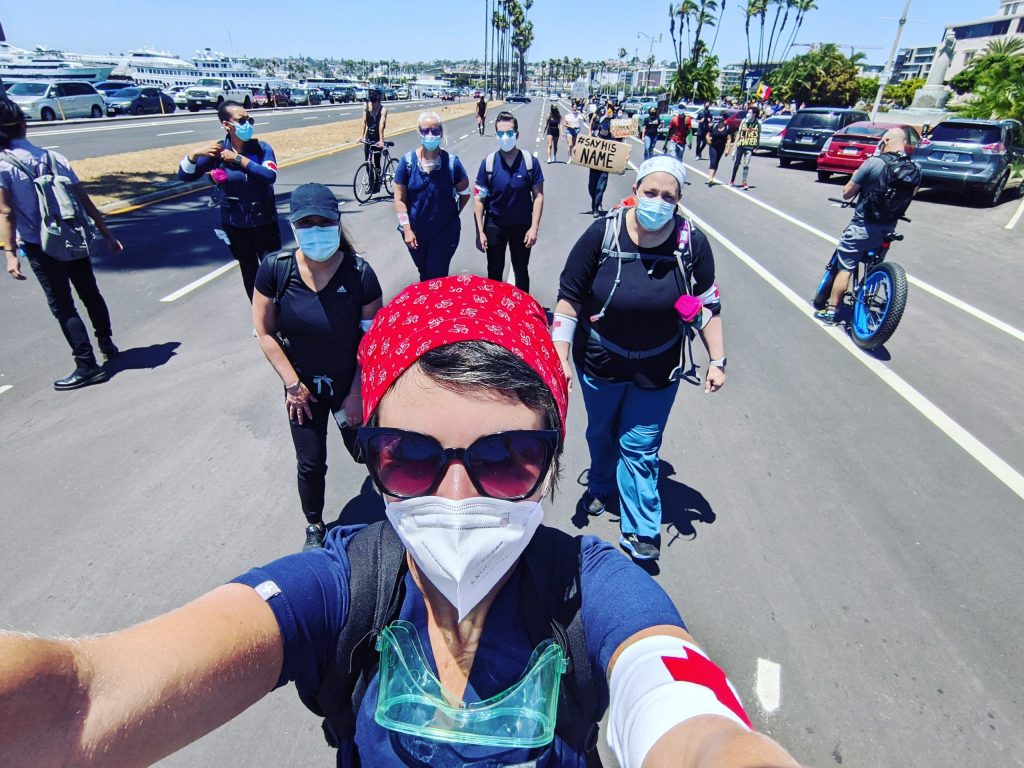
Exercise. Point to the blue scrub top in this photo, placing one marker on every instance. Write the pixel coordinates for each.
(510, 194)
(432, 196)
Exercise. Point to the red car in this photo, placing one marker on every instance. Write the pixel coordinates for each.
(846, 150)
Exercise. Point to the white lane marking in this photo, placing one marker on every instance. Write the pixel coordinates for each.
(1016, 216)
(6, 387)
(200, 282)
(175, 133)
(938, 293)
(462, 137)
(55, 146)
(769, 685)
(968, 442)
(310, 118)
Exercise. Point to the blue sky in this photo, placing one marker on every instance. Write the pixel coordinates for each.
(430, 29)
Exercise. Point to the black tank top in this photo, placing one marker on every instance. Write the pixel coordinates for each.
(372, 119)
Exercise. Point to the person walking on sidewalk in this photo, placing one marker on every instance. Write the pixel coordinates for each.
(509, 203)
(310, 309)
(21, 224)
(573, 121)
(678, 131)
(601, 127)
(704, 121)
(553, 129)
(719, 140)
(244, 170)
(617, 315)
(747, 138)
(431, 189)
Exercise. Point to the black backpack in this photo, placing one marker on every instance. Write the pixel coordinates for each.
(550, 600)
(891, 196)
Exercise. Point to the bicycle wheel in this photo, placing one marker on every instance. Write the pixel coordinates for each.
(389, 176)
(362, 184)
(825, 286)
(879, 305)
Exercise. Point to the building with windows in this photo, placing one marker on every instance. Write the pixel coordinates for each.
(913, 63)
(973, 37)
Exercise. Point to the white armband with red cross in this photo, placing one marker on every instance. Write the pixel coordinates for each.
(657, 683)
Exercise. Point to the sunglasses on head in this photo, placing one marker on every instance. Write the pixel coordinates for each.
(506, 465)
(249, 120)
(435, 131)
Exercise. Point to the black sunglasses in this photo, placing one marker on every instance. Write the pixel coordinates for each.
(505, 465)
(249, 120)
(434, 130)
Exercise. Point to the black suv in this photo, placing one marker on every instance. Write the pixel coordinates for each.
(973, 156)
(810, 128)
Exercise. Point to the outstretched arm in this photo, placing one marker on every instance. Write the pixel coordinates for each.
(134, 696)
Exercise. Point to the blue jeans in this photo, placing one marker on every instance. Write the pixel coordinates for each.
(433, 257)
(624, 428)
(649, 142)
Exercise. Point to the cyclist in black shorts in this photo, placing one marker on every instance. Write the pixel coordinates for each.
(481, 113)
(375, 118)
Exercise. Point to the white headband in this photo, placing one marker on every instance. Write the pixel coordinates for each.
(662, 164)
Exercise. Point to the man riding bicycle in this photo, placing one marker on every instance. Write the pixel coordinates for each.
(865, 231)
(375, 118)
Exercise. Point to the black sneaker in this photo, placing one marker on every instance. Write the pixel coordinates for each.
(108, 349)
(314, 537)
(82, 376)
(595, 505)
(639, 547)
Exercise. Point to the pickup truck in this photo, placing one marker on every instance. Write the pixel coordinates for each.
(211, 91)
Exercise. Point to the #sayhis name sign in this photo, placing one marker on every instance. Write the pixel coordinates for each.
(601, 154)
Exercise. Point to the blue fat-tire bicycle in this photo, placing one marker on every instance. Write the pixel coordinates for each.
(877, 292)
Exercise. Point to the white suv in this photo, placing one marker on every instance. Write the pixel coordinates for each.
(60, 100)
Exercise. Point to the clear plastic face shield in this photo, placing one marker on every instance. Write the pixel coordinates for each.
(411, 699)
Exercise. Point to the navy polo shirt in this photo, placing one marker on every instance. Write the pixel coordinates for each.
(509, 198)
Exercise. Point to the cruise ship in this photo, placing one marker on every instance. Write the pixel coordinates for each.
(50, 64)
(161, 68)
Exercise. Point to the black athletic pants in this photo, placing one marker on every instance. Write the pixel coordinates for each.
(498, 238)
(249, 245)
(700, 142)
(56, 278)
(597, 184)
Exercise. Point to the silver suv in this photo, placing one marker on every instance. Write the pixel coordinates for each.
(973, 156)
(59, 100)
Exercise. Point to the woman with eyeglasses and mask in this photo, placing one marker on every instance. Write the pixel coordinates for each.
(459, 631)
(310, 309)
(243, 170)
(431, 189)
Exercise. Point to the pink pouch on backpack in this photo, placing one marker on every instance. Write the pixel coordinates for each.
(689, 307)
(219, 176)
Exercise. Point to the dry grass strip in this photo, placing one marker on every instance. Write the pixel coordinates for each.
(132, 174)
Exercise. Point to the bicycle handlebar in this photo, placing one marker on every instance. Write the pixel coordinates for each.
(851, 203)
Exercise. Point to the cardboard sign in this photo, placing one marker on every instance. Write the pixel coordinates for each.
(623, 128)
(601, 154)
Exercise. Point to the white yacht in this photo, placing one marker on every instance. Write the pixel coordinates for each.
(146, 66)
(50, 64)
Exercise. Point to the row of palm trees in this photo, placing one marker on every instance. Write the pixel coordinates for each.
(774, 50)
(511, 35)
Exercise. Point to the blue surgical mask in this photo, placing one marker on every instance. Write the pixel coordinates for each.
(318, 243)
(244, 131)
(506, 141)
(653, 213)
(430, 143)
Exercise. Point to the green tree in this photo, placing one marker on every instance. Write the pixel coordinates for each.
(903, 93)
(867, 88)
(823, 76)
(995, 82)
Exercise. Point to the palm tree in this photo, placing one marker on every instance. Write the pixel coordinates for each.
(1010, 46)
(802, 7)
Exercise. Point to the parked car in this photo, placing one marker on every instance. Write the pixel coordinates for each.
(518, 98)
(177, 93)
(976, 157)
(107, 87)
(341, 95)
(362, 94)
(42, 100)
(390, 94)
(259, 98)
(810, 128)
(447, 95)
(403, 94)
(213, 91)
(843, 152)
(303, 96)
(771, 132)
(139, 101)
(633, 106)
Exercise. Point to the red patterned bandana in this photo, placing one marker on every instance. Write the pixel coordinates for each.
(451, 309)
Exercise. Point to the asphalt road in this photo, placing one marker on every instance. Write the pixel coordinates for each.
(842, 531)
(87, 139)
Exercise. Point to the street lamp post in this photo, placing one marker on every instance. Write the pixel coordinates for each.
(883, 81)
(650, 52)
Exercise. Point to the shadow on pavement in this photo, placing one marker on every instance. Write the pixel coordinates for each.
(682, 506)
(142, 358)
(363, 509)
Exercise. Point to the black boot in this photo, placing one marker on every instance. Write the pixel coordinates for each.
(84, 375)
(107, 348)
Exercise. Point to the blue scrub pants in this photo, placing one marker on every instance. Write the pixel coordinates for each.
(624, 428)
(433, 257)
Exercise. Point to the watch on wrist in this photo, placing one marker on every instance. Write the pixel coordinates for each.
(720, 363)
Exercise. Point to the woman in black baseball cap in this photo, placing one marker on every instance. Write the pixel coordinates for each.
(310, 309)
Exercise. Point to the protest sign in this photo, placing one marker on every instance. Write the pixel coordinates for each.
(623, 128)
(601, 154)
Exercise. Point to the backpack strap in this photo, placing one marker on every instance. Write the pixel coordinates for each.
(9, 157)
(281, 263)
(489, 168)
(377, 567)
(550, 602)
